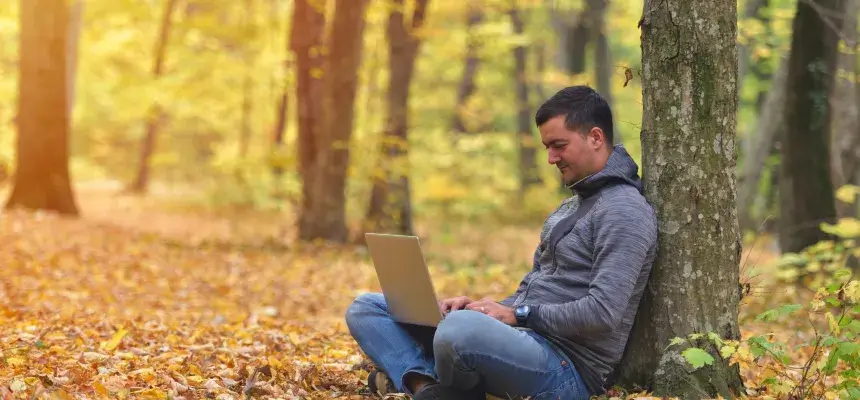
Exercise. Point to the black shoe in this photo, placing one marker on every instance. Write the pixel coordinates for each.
(379, 383)
(436, 391)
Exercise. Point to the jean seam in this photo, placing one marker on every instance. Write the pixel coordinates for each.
(571, 382)
(473, 353)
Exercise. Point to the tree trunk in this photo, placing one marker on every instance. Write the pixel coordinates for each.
(42, 178)
(603, 55)
(390, 209)
(689, 62)
(280, 124)
(752, 9)
(247, 84)
(76, 24)
(306, 40)
(806, 191)
(769, 126)
(529, 175)
(470, 68)
(323, 216)
(156, 113)
(846, 143)
(579, 35)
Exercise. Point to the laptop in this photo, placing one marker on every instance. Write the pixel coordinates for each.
(404, 278)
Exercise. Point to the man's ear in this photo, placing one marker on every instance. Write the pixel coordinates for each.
(596, 138)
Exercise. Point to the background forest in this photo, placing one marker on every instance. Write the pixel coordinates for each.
(224, 158)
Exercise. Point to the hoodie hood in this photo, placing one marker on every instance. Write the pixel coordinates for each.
(620, 168)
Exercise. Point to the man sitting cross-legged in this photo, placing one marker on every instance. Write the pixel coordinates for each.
(564, 330)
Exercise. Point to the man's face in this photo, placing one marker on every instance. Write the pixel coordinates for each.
(573, 153)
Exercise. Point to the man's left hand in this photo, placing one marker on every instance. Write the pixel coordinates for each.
(498, 311)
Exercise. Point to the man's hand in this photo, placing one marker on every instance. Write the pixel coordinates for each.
(498, 311)
(454, 304)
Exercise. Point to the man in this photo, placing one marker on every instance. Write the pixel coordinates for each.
(564, 330)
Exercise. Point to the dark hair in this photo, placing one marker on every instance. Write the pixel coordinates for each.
(582, 107)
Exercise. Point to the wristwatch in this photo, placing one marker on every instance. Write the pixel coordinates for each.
(522, 314)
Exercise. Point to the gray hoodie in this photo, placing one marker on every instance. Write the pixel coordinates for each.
(584, 291)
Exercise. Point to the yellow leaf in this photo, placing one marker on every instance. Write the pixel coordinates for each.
(274, 362)
(31, 380)
(153, 393)
(847, 193)
(114, 341)
(61, 394)
(100, 389)
(16, 361)
(195, 379)
(831, 321)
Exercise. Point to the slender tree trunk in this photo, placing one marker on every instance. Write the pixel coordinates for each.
(324, 215)
(306, 40)
(689, 62)
(603, 55)
(579, 35)
(247, 84)
(76, 24)
(527, 144)
(806, 191)
(752, 9)
(156, 113)
(390, 209)
(281, 123)
(470, 68)
(42, 178)
(770, 125)
(846, 142)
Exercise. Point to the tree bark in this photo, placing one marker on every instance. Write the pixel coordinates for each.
(390, 209)
(306, 41)
(529, 175)
(323, 216)
(470, 68)
(689, 61)
(769, 126)
(806, 191)
(156, 113)
(846, 142)
(42, 180)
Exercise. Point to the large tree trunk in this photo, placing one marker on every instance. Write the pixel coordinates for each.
(846, 142)
(390, 209)
(689, 61)
(805, 188)
(306, 38)
(529, 175)
(470, 68)
(42, 171)
(323, 216)
(770, 125)
(156, 113)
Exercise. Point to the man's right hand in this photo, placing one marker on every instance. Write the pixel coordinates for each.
(454, 304)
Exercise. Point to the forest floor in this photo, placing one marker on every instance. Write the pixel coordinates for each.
(138, 299)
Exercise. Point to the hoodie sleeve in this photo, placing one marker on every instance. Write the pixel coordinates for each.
(624, 232)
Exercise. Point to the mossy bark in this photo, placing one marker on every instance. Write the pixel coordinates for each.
(689, 81)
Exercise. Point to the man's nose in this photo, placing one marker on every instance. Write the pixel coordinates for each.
(553, 158)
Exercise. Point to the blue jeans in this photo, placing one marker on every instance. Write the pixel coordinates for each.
(466, 350)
